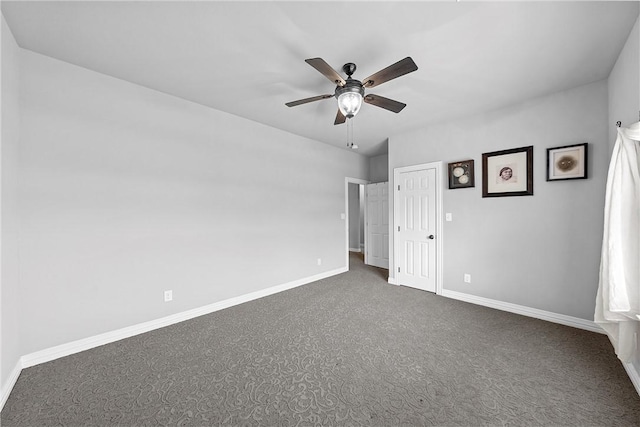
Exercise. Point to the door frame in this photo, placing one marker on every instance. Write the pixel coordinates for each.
(438, 166)
(348, 181)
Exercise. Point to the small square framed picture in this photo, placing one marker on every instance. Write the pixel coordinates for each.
(461, 174)
(568, 162)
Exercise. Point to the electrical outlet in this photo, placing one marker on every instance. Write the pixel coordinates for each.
(467, 278)
(448, 216)
(168, 296)
(319, 261)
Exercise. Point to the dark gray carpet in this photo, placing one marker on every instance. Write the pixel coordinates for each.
(348, 350)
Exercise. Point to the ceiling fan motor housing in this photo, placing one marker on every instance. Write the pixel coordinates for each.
(351, 85)
(349, 68)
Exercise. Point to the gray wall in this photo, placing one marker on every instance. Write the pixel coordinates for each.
(624, 84)
(126, 192)
(9, 300)
(379, 168)
(540, 251)
(624, 99)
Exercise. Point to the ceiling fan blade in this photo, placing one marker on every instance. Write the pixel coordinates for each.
(398, 69)
(340, 118)
(326, 70)
(306, 100)
(386, 103)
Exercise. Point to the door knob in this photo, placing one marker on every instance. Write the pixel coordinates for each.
(431, 237)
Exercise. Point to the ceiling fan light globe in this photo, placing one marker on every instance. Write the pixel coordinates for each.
(349, 103)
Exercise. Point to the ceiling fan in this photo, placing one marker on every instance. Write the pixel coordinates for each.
(350, 92)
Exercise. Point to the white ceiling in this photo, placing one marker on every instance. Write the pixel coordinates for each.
(247, 58)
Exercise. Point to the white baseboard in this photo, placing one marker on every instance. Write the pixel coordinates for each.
(73, 347)
(634, 375)
(355, 250)
(11, 381)
(526, 311)
(391, 280)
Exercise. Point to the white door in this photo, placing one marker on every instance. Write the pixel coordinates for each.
(415, 228)
(377, 225)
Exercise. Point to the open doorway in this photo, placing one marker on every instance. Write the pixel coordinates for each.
(355, 218)
(355, 194)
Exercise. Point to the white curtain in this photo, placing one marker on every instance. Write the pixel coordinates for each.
(618, 299)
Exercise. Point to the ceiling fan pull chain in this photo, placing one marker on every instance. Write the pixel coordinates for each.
(347, 132)
(350, 142)
(353, 145)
